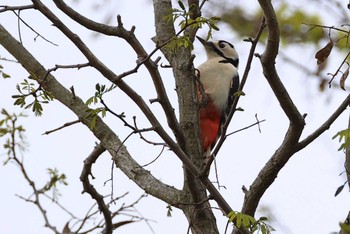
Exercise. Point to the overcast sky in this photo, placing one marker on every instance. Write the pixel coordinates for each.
(301, 200)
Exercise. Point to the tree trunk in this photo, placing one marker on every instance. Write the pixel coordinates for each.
(196, 206)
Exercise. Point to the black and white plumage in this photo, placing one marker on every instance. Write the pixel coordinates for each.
(220, 79)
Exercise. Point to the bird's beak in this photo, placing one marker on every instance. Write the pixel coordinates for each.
(204, 42)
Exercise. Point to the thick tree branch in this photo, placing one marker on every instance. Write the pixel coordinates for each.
(290, 143)
(144, 58)
(200, 217)
(268, 62)
(184, 77)
(107, 137)
(269, 172)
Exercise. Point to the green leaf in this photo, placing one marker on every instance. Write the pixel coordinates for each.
(232, 215)
(216, 18)
(182, 5)
(344, 135)
(215, 27)
(239, 220)
(263, 218)
(103, 112)
(345, 228)
(339, 189)
(92, 124)
(20, 102)
(5, 75)
(37, 108)
(246, 221)
(97, 87)
(89, 101)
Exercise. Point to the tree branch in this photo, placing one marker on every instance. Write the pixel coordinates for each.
(63, 126)
(269, 172)
(268, 63)
(84, 177)
(36, 192)
(325, 126)
(144, 58)
(107, 137)
(15, 8)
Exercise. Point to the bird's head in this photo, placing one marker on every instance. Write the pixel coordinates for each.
(222, 49)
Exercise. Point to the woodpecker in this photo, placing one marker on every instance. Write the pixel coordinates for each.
(219, 80)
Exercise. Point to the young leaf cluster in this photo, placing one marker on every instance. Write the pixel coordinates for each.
(186, 21)
(344, 138)
(249, 223)
(9, 128)
(97, 98)
(27, 89)
(55, 178)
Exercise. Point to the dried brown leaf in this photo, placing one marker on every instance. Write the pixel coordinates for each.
(323, 53)
(66, 229)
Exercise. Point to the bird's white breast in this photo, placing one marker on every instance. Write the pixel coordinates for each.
(216, 78)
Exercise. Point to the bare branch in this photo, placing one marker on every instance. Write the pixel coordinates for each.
(338, 70)
(142, 174)
(144, 58)
(212, 157)
(31, 28)
(125, 162)
(161, 152)
(84, 177)
(325, 126)
(63, 126)
(4, 8)
(269, 172)
(249, 126)
(36, 192)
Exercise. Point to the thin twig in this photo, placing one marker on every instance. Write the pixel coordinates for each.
(63, 126)
(242, 83)
(37, 34)
(36, 192)
(325, 126)
(336, 73)
(161, 152)
(249, 126)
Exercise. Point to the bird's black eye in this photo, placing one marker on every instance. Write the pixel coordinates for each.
(221, 45)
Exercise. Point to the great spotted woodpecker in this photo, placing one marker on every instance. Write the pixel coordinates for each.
(219, 80)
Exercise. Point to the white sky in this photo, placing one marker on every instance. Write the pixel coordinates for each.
(301, 199)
